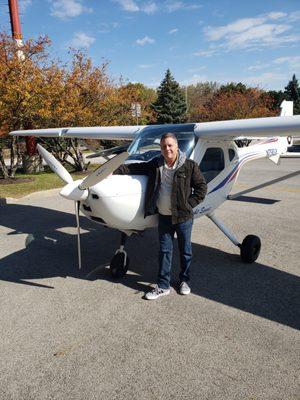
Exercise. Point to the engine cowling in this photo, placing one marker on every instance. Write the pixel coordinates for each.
(119, 201)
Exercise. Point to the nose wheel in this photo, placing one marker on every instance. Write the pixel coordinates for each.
(119, 265)
(120, 261)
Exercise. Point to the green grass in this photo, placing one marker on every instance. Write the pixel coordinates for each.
(42, 181)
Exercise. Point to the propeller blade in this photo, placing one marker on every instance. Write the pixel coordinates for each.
(77, 205)
(104, 171)
(72, 192)
(55, 165)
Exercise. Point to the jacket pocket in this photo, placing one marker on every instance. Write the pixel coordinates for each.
(188, 206)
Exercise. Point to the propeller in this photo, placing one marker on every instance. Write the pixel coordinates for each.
(61, 171)
(54, 164)
(103, 171)
(78, 190)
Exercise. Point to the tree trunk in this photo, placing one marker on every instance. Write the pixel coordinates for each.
(3, 167)
(77, 156)
(14, 157)
(67, 152)
(32, 164)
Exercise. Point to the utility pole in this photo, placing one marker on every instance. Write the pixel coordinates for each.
(17, 35)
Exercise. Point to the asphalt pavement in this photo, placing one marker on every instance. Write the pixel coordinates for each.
(70, 334)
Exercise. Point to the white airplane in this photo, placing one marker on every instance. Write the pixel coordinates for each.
(220, 148)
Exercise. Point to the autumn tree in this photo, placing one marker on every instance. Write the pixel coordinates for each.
(85, 89)
(170, 105)
(20, 88)
(241, 103)
(197, 95)
(117, 110)
(75, 95)
(277, 97)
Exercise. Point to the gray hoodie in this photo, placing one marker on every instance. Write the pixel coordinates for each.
(166, 183)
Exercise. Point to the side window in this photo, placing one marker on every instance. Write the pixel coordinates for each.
(231, 154)
(212, 163)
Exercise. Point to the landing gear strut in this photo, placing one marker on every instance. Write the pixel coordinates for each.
(120, 261)
(250, 248)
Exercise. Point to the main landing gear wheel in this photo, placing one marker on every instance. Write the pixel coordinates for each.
(250, 248)
(119, 265)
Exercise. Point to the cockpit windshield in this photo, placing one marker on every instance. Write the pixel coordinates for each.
(147, 144)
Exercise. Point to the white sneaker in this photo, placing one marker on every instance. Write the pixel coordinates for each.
(156, 293)
(184, 288)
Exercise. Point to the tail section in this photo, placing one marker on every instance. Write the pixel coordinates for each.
(287, 108)
(273, 148)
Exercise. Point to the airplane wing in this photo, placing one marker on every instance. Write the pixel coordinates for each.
(225, 130)
(250, 128)
(95, 132)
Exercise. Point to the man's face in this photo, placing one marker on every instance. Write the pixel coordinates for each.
(169, 149)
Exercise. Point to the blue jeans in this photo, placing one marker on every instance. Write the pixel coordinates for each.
(166, 231)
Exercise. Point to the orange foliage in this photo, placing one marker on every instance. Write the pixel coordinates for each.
(21, 80)
(117, 107)
(251, 103)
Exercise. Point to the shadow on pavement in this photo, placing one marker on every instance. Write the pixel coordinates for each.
(256, 200)
(51, 252)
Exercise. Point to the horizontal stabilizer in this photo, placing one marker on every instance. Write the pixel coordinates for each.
(275, 159)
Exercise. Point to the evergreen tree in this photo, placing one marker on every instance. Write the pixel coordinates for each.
(233, 87)
(292, 92)
(170, 104)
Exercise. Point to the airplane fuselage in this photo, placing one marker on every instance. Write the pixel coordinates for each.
(118, 201)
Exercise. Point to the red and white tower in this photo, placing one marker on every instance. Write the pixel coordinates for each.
(17, 35)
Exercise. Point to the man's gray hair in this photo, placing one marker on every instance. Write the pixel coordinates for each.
(168, 135)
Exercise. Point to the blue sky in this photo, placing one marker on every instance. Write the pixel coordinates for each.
(256, 42)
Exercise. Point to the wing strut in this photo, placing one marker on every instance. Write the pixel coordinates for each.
(262, 185)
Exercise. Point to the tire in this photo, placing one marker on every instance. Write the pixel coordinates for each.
(117, 268)
(250, 248)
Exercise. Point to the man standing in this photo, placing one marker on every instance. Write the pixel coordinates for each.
(175, 187)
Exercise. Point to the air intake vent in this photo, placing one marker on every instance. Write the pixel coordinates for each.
(98, 220)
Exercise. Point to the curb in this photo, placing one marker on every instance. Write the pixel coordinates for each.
(40, 193)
